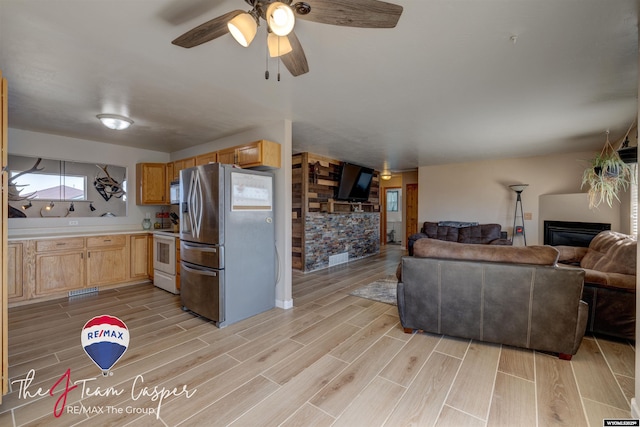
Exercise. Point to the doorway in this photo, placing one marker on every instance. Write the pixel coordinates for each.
(393, 217)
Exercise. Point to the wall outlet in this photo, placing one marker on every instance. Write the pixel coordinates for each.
(528, 215)
(73, 222)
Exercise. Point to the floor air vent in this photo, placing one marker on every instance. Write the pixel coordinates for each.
(338, 259)
(84, 291)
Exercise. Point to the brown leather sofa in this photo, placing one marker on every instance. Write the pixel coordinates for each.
(503, 294)
(451, 231)
(609, 264)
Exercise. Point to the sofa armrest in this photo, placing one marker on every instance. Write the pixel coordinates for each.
(571, 254)
(581, 326)
(501, 242)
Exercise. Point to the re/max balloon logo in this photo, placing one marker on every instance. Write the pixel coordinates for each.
(105, 339)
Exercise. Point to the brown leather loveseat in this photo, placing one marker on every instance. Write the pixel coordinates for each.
(609, 264)
(503, 294)
(461, 232)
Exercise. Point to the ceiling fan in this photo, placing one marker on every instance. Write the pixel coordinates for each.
(280, 17)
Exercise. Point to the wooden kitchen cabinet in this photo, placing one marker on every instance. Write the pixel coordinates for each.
(261, 153)
(151, 184)
(206, 158)
(107, 260)
(53, 267)
(227, 156)
(171, 174)
(178, 165)
(15, 271)
(60, 265)
(139, 256)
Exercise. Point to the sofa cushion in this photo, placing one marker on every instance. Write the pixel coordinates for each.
(537, 255)
(611, 252)
(434, 231)
(483, 233)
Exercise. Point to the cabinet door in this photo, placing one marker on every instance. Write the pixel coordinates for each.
(139, 256)
(188, 162)
(172, 175)
(59, 271)
(259, 153)
(106, 266)
(152, 184)
(15, 275)
(203, 159)
(227, 156)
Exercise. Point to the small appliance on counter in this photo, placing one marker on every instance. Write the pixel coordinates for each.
(227, 242)
(174, 192)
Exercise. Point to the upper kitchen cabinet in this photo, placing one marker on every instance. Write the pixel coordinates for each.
(203, 159)
(151, 183)
(178, 165)
(259, 154)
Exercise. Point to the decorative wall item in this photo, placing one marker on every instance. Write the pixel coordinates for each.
(47, 188)
(106, 186)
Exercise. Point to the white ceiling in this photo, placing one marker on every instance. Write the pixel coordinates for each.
(449, 83)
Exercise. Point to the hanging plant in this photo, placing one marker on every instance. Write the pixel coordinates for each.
(606, 176)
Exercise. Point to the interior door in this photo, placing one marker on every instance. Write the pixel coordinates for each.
(411, 198)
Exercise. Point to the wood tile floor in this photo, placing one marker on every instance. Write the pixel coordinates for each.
(333, 360)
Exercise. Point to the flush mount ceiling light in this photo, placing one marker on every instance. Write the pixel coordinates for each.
(243, 28)
(115, 121)
(386, 176)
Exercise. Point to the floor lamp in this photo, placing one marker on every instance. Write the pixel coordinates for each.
(518, 229)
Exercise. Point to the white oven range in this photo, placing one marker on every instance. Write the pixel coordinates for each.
(164, 261)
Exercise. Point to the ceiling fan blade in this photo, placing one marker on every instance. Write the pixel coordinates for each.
(295, 61)
(206, 32)
(353, 13)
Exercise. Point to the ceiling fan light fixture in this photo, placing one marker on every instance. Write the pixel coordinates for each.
(243, 28)
(115, 121)
(278, 46)
(280, 18)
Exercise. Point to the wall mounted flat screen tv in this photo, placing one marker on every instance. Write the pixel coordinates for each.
(355, 183)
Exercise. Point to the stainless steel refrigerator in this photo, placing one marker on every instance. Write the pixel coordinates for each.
(227, 242)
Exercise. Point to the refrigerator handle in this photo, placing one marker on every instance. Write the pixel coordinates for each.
(194, 200)
(197, 271)
(199, 248)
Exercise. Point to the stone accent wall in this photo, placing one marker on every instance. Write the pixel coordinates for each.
(334, 233)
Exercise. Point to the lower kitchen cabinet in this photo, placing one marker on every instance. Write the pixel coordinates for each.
(59, 271)
(107, 260)
(15, 271)
(139, 256)
(53, 267)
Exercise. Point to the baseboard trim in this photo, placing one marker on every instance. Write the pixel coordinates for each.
(635, 410)
(284, 304)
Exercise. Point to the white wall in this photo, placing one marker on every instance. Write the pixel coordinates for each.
(575, 207)
(56, 147)
(479, 191)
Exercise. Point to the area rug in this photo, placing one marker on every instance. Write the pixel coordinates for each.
(383, 290)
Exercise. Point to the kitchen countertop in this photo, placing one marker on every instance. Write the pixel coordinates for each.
(54, 234)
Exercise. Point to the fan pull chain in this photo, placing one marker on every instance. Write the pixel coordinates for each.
(278, 58)
(266, 65)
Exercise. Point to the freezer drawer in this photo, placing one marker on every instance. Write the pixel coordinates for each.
(201, 254)
(202, 291)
